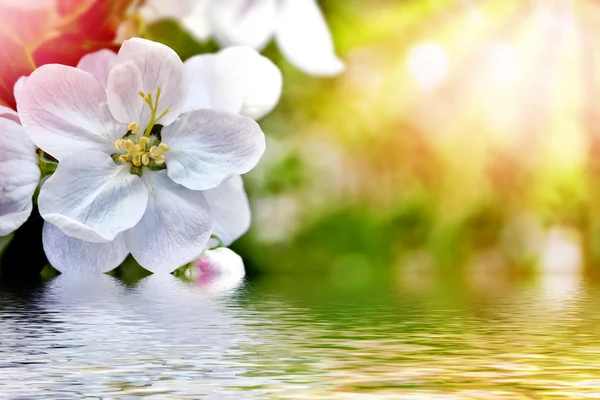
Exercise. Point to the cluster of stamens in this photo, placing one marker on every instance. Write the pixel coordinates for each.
(141, 150)
(139, 154)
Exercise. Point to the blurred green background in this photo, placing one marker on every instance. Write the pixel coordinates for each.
(462, 138)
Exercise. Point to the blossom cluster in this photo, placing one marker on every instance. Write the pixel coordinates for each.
(136, 152)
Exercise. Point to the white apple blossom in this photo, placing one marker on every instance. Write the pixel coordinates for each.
(123, 185)
(298, 27)
(237, 79)
(19, 172)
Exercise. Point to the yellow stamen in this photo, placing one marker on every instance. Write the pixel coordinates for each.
(129, 145)
(163, 114)
(144, 141)
(164, 147)
(119, 144)
(153, 104)
(133, 127)
(159, 160)
(124, 158)
(145, 159)
(136, 160)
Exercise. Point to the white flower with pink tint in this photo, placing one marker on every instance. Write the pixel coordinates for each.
(136, 169)
(19, 172)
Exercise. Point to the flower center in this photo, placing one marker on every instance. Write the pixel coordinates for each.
(143, 149)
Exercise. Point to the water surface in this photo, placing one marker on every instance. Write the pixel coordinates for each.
(314, 338)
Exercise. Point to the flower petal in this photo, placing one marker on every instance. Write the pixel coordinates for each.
(9, 113)
(125, 104)
(19, 175)
(98, 64)
(197, 21)
(229, 209)
(174, 229)
(208, 146)
(18, 90)
(153, 10)
(304, 38)
(259, 79)
(236, 22)
(145, 66)
(64, 111)
(89, 197)
(212, 84)
(221, 270)
(74, 256)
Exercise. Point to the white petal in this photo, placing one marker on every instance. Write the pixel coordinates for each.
(212, 84)
(229, 209)
(91, 198)
(64, 111)
(98, 64)
(9, 113)
(208, 146)
(304, 38)
(74, 256)
(259, 79)
(175, 228)
(124, 102)
(197, 21)
(221, 270)
(19, 175)
(18, 88)
(145, 66)
(154, 10)
(249, 23)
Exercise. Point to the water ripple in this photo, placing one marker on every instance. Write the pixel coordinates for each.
(164, 338)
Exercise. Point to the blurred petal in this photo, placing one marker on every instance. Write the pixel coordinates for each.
(175, 228)
(153, 10)
(64, 111)
(259, 79)
(208, 146)
(249, 23)
(98, 64)
(197, 21)
(229, 209)
(145, 66)
(211, 84)
(89, 197)
(304, 38)
(221, 270)
(19, 175)
(74, 256)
